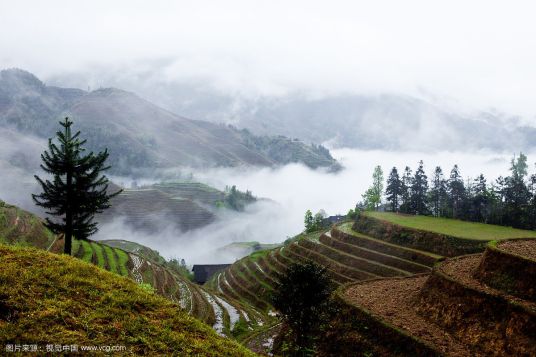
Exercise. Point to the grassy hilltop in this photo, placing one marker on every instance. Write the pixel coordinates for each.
(453, 227)
(61, 300)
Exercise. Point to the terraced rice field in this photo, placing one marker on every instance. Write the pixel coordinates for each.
(18, 227)
(140, 207)
(143, 265)
(112, 259)
(347, 255)
(227, 316)
(194, 191)
(472, 305)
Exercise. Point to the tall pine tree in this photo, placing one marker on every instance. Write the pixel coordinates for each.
(77, 189)
(517, 194)
(438, 193)
(479, 200)
(394, 189)
(407, 180)
(419, 191)
(532, 204)
(456, 192)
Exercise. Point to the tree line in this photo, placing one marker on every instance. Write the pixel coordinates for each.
(509, 200)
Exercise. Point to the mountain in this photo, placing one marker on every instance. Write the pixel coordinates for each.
(384, 121)
(184, 205)
(139, 134)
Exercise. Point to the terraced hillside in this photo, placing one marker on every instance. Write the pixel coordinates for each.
(185, 204)
(146, 209)
(348, 255)
(364, 250)
(472, 305)
(18, 227)
(194, 191)
(141, 264)
(443, 236)
(49, 297)
(228, 317)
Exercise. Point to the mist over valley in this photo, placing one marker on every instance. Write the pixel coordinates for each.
(249, 178)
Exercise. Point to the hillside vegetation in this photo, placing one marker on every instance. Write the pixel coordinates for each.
(61, 300)
(144, 266)
(19, 227)
(148, 209)
(453, 227)
(182, 204)
(140, 136)
(368, 248)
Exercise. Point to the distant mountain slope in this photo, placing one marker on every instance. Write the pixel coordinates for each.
(138, 134)
(146, 209)
(384, 121)
(185, 205)
(22, 228)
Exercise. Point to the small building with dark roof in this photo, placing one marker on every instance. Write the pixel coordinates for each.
(203, 272)
(328, 221)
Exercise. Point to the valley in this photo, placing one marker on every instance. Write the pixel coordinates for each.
(279, 179)
(414, 260)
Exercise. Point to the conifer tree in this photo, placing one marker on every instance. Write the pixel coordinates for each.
(419, 191)
(438, 193)
(302, 296)
(517, 195)
(531, 216)
(406, 190)
(479, 200)
(456, 192)
(394, 189)
(77, 189)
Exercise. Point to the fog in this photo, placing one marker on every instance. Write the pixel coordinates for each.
(293, 189)
(467, 57)
(477, 54)
(19, 159)
(286, 193)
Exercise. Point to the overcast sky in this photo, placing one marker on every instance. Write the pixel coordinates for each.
(480, 53)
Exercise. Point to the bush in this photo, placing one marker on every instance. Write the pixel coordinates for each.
(302, 296)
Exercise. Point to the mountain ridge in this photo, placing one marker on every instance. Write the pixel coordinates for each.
(139, 135)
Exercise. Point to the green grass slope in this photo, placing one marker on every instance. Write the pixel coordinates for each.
(19, 227)
(136, 248)
(47, 298)
(453, 227)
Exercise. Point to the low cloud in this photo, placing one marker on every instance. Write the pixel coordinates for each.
(19, 160)
(292, 190)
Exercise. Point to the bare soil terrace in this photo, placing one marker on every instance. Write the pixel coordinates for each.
(524, 248)
(392, 300)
